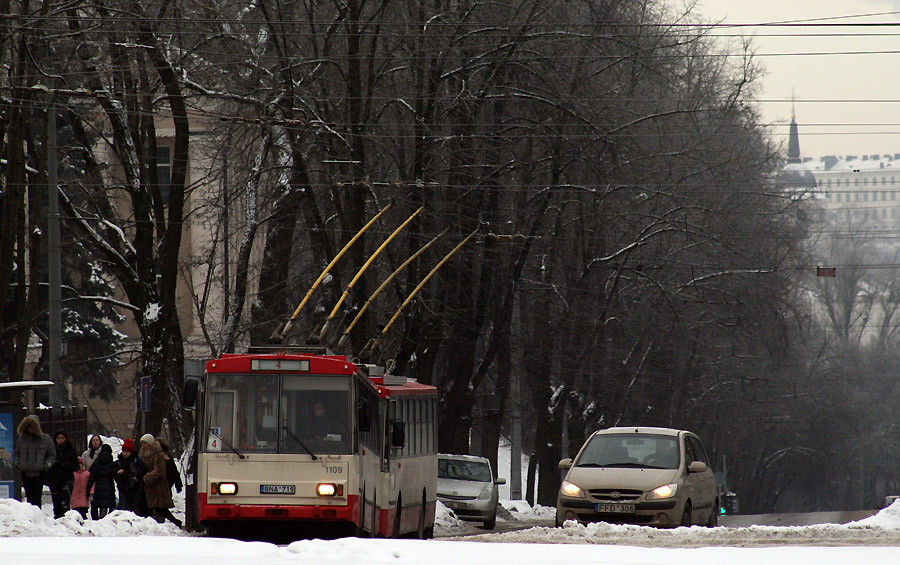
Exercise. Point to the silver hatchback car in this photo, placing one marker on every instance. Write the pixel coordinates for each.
(653, 476)
(466, 485)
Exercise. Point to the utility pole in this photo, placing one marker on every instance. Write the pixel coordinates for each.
(515, 452)
(55, 302)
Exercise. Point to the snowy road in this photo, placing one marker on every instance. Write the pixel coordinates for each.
(31, 537)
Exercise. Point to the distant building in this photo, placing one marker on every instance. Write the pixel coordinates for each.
(865, 187)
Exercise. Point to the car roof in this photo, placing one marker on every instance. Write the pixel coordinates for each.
(642, 430)
(463, 457)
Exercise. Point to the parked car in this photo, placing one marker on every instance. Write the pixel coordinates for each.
(467, 486)
(653, 476)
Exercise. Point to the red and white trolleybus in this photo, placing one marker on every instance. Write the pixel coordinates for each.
(307, 439)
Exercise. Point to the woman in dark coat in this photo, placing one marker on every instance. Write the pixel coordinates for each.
(130, 471)
(61, 475)
(103, 479)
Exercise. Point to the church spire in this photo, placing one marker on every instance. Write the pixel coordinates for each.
(794, 137)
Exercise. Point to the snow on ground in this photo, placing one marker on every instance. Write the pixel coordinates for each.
(31, 536)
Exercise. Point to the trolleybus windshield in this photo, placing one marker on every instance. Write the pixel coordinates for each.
(315, 414)
(278, 413)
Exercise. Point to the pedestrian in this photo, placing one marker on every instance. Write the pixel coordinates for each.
(62, 473)
(103, 480)
(129, 470)
(173, 475)
(156, 487)
(33, 456)
(80, 490)
(91, 452)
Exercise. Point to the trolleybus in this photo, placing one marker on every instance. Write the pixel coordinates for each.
(306, 439)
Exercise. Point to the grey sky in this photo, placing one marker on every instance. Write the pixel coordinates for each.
(837, 94)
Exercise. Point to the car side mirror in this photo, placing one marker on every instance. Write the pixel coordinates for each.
(697, 467)
(565, 464)
(500, 481)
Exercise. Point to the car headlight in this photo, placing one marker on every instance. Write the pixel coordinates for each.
(571, 489)
(665, 491)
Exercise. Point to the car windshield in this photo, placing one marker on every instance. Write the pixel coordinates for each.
(630, 450)
(464, 470)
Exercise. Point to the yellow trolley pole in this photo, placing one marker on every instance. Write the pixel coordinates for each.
(373, 344)
(362, 270)
(346, 335)
(279, 333)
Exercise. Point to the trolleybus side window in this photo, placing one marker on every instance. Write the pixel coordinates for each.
(370, 432)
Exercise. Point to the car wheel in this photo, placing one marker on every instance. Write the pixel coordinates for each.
(490, 524)
(686, 518)
(713, 516)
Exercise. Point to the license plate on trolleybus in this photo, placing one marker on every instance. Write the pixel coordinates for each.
(277, 489)
(614, 508)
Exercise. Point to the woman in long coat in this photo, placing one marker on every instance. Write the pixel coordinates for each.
(103, 475)
(156, 487)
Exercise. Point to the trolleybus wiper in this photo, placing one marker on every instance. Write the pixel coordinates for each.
(298, 440)
(229, 446)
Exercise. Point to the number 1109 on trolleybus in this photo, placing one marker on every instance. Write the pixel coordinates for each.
(308, 440)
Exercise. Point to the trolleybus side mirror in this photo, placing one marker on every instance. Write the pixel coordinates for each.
(191, 388)
(364, 416)
(398, 434)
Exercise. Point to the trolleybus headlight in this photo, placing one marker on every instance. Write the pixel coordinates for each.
(329, 489)
(228, 489)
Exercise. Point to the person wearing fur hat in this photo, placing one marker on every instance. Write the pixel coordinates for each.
(103, 479)
(156, 488)
(129, 471)
(62, 473)
(33, 456)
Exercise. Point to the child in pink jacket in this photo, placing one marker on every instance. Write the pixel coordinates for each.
(79, 490)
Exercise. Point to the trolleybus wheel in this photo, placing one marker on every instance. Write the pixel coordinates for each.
(420, 529)
(396, 533)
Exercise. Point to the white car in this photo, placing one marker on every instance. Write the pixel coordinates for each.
(467, 486)
(652, 476)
